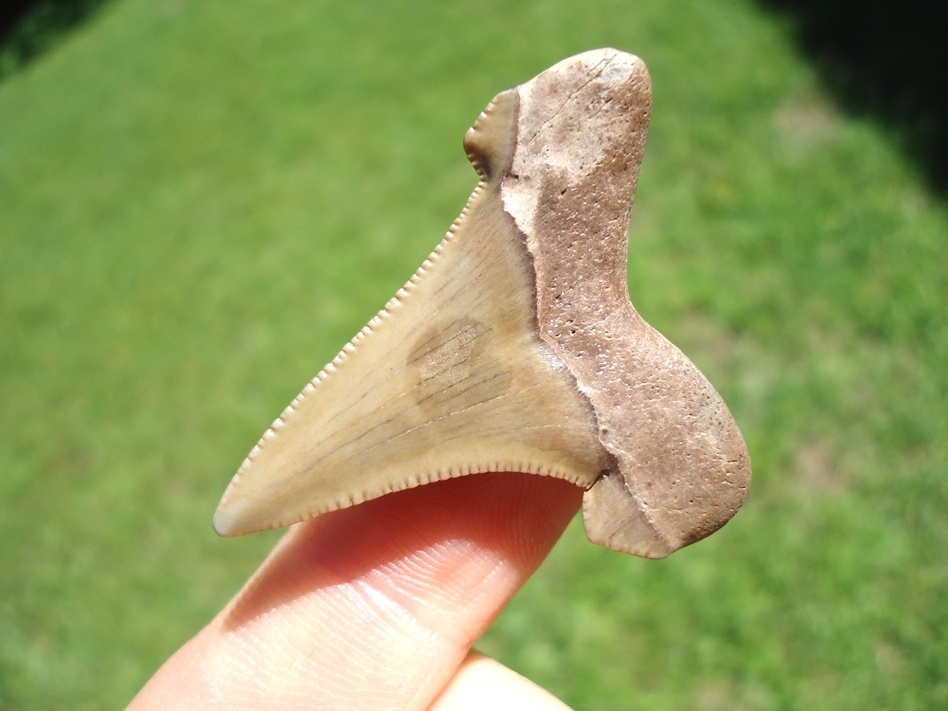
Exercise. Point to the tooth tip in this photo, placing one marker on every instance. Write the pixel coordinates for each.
(223, 526)
(228, 520)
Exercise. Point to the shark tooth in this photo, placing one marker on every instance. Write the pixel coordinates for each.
(515, 346)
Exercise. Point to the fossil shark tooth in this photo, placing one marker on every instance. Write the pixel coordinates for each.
(515, 347)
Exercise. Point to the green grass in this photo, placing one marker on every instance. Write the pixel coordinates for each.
(200, 202)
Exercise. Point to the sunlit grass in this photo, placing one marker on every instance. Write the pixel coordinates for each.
(200, 202)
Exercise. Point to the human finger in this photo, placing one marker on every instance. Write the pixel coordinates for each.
(375, 606)
(484, 683)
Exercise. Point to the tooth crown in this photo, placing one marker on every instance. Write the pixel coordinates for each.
(515, 346)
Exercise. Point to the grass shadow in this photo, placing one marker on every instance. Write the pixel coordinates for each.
(29, 28)
(885, 61)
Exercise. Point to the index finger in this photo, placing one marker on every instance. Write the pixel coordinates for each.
(373, 606)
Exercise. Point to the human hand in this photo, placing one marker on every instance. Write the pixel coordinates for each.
(377, 606)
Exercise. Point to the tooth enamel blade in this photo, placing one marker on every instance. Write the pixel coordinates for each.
(450, 379)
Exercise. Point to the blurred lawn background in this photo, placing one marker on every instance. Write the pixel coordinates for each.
(200, 202)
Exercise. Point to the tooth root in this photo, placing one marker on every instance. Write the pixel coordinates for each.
(681, 468)
(450, 379)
